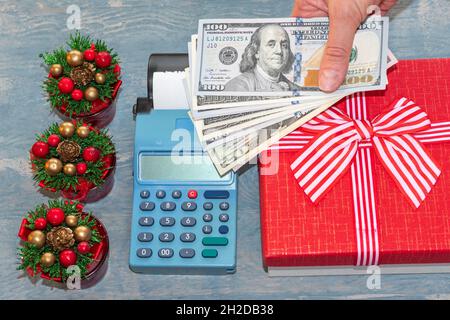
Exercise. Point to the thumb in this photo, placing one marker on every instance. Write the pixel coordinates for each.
(344, 21)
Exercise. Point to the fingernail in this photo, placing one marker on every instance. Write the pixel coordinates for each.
(329, 80)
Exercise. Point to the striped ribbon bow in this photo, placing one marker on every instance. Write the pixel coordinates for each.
(335, 142)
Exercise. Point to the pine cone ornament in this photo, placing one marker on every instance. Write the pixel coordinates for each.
(83, 74)
(60, 238)
(68, 150)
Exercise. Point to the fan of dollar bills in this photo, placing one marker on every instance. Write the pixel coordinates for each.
(251, 82)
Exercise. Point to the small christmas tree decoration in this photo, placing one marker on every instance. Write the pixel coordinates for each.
(50, 251)
(100, 78)
(83, 131)
(90, 154)
(47, 260)
(40, 149)
(82, 233)
(83, 74)
(83, 247)
(68, 150)
(40, 223)
(53, 140)
(77, 95)
(65, 85)
(60, 238)
(83, 80)
(91, 94)
(76, 159)
(70, 169)
(103, 59)
(71, 221)
(66, 129)
(67, 258)
(36, 238)
(53, 166)
(89, 54)
(55, 216)
(81, 168)
(56, 70)
(74, 58)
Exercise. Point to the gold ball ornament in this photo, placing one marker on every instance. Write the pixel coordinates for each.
(53, 166)
(82, 233)
(56, 70)
(83, 131)
(37, 238)
(71, 221)
(100, 78)
(70, 169)
(67, 129)
(91, 94)
(47, 259)
(74, 58)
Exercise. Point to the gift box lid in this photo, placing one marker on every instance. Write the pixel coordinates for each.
(298, 233)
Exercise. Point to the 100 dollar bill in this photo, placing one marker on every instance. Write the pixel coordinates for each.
(281, 57)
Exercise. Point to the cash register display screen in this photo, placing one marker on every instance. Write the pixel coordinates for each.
(179, 168)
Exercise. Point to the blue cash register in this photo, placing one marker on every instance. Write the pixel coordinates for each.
(184, 213)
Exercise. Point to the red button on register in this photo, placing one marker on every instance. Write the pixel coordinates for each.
(192, 194)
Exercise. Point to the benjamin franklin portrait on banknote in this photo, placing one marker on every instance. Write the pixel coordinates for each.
(265, 59)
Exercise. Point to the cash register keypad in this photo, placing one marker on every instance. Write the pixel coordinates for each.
(203, 219)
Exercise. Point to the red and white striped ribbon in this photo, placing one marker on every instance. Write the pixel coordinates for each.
(321, 162)
(333, 141)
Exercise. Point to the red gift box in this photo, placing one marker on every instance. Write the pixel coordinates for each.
(387, 230)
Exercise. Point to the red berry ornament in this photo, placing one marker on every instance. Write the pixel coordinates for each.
(65, 85)
(103, 59)
(89, 55)
(40, 149)
(117, 69)
(77, 95)
(91, 154)
(83, 247)
(81, 168)
(40, 224)
(55, 216)
(67, 258)
(53, 140)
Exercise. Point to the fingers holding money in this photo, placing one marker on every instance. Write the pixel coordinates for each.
(345, 17)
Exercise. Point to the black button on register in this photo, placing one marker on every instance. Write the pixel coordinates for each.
(166, 237)
(145, 236)
(216, 194)
(144, 252)
(147, 206)
(160, 194)
(145, 194)
(208, 206)
(188, 206)
(167, 221)
(168, 206)
(224, 205)
(176, 194)
(188, 222)
(146, 221)
(187, 253)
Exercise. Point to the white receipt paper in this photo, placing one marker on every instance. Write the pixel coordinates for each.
(169, 90)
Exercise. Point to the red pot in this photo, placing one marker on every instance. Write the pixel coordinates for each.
(100, 251)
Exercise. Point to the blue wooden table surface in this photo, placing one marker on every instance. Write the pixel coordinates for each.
(419, 29)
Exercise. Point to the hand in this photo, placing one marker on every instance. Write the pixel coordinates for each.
(345, 17)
